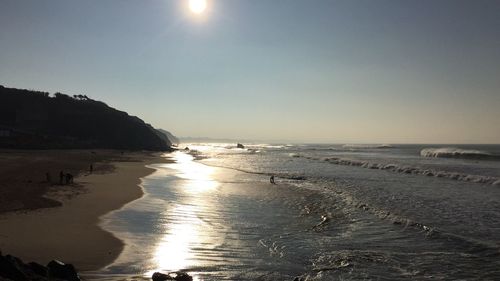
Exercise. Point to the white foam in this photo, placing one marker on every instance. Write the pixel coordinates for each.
(452, 152)
(414, 170)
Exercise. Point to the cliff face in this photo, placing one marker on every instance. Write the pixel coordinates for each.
(32, 119)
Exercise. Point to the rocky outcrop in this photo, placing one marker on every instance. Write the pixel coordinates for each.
(12, 268)
(239, 145)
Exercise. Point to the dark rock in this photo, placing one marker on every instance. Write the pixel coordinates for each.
(12, 268)
(182, 276)
(57, 269)
(239, 145)
(157, 276)
(38, 269)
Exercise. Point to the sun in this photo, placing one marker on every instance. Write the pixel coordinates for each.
(197, 6)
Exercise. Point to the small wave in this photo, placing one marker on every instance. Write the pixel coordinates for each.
(265, 145)
(287, 176)
(406, 222)
(451, 152)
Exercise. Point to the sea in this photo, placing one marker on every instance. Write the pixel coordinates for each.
(336, 212)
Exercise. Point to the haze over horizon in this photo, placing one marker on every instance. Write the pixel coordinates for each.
(329, 71)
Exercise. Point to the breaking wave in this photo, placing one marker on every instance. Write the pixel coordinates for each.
(451, 152)
(407, 170)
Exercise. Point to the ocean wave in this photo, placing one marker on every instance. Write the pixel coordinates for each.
(406, 169)
(451, 152)
(415, 171)
(367, 146)
(430, 231)
(265, 145)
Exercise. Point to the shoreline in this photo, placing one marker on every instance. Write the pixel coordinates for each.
(72, 232)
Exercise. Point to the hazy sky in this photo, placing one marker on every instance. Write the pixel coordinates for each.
(367, 71)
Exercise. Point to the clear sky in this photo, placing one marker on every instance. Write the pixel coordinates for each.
(369, 71)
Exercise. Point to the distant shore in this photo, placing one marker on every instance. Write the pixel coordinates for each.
(69, 230)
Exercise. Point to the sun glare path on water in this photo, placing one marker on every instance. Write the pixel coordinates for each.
(197, 6)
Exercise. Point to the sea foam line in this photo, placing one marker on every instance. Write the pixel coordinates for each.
(408, 170)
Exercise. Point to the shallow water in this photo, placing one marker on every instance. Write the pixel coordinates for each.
(323, 221)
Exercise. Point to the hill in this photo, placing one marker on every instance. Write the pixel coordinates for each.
(36, 120)
(173, 139)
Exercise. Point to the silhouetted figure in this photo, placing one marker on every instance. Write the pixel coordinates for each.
(271, 180)
(47, 177)
(61, 177)
(91, 168)
(69, 178)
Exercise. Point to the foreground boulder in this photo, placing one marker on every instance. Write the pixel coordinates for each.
(57, 269)
(39, 269)
(180, 276)
(12, 268)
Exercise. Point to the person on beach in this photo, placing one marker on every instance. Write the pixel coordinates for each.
(61, 177)
(47, 177)
(69, 178)
(91, 168)
(271, 180)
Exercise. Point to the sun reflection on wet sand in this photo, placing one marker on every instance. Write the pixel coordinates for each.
(182, 232)
(206, 221)
(174, 250)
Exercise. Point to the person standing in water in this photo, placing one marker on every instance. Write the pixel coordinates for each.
(271, 180)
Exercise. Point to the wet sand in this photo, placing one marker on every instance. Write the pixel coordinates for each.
(214, 223)
(70, 232)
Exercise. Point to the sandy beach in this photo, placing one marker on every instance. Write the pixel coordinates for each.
(70, 232)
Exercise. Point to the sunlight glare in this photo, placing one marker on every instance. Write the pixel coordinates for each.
(174, 251)
(197, 6)
(199, 177)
